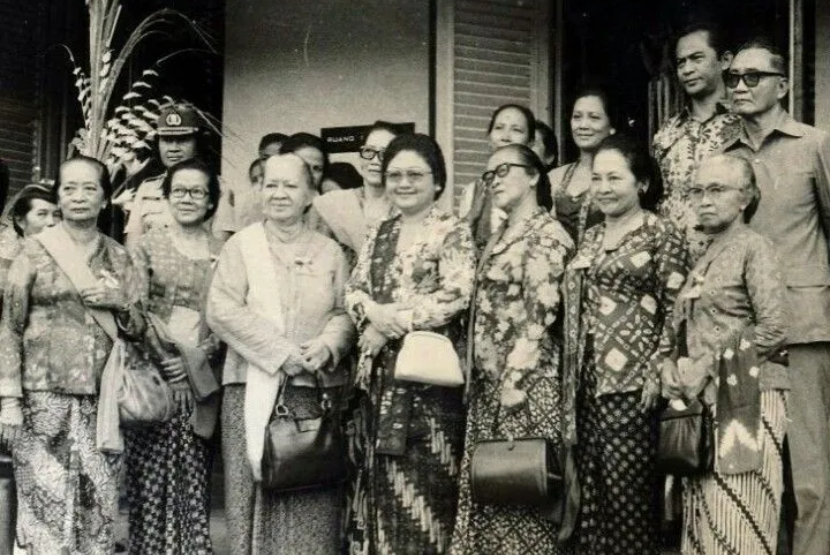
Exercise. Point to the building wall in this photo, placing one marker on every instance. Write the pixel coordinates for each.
(296, 65)
(822, 100)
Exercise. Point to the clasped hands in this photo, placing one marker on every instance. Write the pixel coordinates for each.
(386, 321)
(104, 297)
(685, 378)
(312, 356)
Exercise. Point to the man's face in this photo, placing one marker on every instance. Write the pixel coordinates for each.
(176, 148)
(698, 66)
(763, 96)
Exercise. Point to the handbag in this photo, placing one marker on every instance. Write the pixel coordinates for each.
(304, 453)
(686, 443)
(143, 395)
(429, 358)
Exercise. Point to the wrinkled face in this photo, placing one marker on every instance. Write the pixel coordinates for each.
(286, 189)
(511, 183)
(509, 128)
(189, 198)
(315, 160)
(614, 187)
(176, 148)
(767, 93)
(41, 214)
(699, 68)
(410, 184)
(376, 142)
(589, 122)
(80, 195)
(718, 195)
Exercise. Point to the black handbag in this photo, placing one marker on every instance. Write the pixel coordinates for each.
(686, 443)
(304, 453)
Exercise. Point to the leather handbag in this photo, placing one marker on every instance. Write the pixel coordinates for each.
(686, 443)
(304, 453)
(143, 396)
(515, 472)
(429, 358)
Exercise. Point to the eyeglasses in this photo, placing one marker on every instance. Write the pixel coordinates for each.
(715, 192)
(750, 78)
(414, 176)
(195, 194)
(501, 170)
(367, 153)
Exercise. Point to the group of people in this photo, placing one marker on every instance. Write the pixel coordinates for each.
(578, 298)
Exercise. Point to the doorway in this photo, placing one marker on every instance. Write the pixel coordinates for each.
(625, 46)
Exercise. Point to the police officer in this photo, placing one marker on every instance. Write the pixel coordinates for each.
(177, 129)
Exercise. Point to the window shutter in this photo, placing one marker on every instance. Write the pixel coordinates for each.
(494, 52)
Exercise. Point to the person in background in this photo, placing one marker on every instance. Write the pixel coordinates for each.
(546, 146)
(277, 300)
(32, 211)
(515, 389)
(733, 302)
(142, 164)
(701, 128)
(593, 118)
(270, 144)
(509, 124)
(168, 464)
(620, 290)
(791, 161)
(415, 272)
(347, 215)
(342, 175)
(312, 150)
(53, 350)
(177, 132)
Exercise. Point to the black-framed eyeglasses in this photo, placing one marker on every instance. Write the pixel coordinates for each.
(501, 170)
(368, 153)
(714, 192)
(750, 78)
(195, 194)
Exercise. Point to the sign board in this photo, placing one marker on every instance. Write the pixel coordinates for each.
(350, 139)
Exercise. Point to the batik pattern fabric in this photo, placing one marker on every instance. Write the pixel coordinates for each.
(517, 301)
(623, 300)
(616, 460)
(67, 489)
(679, 147)
(263, 522)
(168, 464)
(405, 491)
(727, 514)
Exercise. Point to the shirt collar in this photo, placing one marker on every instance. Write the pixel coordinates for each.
(722, 107)
(785, 125)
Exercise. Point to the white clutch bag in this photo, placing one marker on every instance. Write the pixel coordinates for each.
(428, 358)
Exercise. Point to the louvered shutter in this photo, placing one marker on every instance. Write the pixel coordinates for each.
(490, 52)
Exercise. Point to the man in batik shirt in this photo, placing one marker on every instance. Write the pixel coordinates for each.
(702, 128)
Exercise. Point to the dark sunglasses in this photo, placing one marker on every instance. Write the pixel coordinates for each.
(750, 78)
(501, 170)
(367, 153)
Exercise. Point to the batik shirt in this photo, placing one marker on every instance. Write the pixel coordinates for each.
(628, 297)
(517, 301)
(679, 147)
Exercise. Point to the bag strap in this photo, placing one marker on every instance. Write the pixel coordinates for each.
(69, 258)
(471, 319)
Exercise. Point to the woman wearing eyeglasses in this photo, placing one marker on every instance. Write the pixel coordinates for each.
(168, 465)
(515, 375)
(415, 272)
(347, 215)
(592, 119)
(620, 290)
(510, 124)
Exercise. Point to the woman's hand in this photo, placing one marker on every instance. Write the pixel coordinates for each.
(183, 396)
(316, 354)
(103, 297)
(650, 395)
(172, 369)
(512, 398)
(694, 375)
(295, 364)
(387, 320)
(670, 380)
(371, 341)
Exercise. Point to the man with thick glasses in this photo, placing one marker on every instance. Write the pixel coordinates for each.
(701, 128)
(792, 165)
